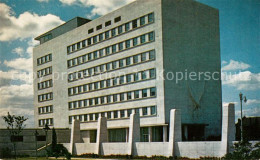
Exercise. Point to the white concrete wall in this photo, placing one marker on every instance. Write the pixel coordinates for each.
(199, 149)
(114, 148)
(81, 148)
(150, 148)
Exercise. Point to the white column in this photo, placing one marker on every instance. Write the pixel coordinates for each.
(228, 127)
(134, 132)
(75, 136)
(102, 133)
(175, 130)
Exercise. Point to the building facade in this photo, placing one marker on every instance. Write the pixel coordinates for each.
(122, 62)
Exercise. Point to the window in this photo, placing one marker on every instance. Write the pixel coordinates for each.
(120, 46)
(144, 76)
(137, 94)
(114, 81)
(96, 116)
(120, 29)
(96, 85)
(108, 83)
(144, 109)
(142, 38)
(134, 23)
(152, 73)
(102, 100)
(102, 84)
(90, 87)
(95, 39)
(142, 20)
(101, 37)
(95, 54)
(89, 41)
(150, 17)
(135, 40)
(16, 138)
(122, 113)
(109, 99)
(78, 45)
(128, 61)
(91, 117)
(114, 97)
(73, 48)
(144, 93)
(107, 50)
(114, 64)
(108, 23)
(106, 34)
(96, 101)
(129, 95)
(117, 19)
(127, 27)
(90, 30)
(136, 59)
(90, 102)
(113, 32)
(68, 49)
(143, 57)
(85, 117)
(114, 48)
(151, 36)
(152, 54)
(121, 63)
(129, 112)
(108, 115)
(90, 56)
(122, 96)
(101, 53)
(115, 114)
(99, 27)
(122, 80)
(153, 110)
(136, 77)
(128, 78)
(152, 91)
(127, 43)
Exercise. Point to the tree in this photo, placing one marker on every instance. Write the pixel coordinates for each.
(15, 125)
(244, 150)
(57, 150)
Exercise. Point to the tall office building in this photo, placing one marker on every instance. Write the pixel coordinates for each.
(131, 61)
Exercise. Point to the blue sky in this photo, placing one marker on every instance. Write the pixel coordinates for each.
(22, 20)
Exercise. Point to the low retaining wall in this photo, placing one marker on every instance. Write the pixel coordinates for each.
(151, 148)
(199, 149)
(114, 148)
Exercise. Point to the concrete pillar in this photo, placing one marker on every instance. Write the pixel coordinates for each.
(228, 127)
(150, 134)
(165, 131)
(102, 133)
(175, 130)
(75, 136)
(134, 132)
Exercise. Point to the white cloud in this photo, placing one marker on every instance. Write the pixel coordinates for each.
(18, 50)
(100, 7)
(253, 101)
(25, 25)
(224, 62)
(15, 75)
(242, 81)
(24, 64)
(234, 65)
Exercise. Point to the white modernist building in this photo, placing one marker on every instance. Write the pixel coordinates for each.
(123, 63)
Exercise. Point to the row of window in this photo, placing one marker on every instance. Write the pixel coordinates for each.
(117, 64)
(111, 33)
(116, 81)
(114, 98)
(45, 109)
(144, 111)
(44, 72)
(45, 84)
(44, 59)
(112, 49)
(45, 97)
(48, 121)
